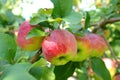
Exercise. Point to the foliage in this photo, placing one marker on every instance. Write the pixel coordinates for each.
(16, 63)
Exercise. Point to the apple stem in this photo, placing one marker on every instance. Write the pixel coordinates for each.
(35, 57)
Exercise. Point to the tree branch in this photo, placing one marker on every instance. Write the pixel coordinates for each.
(111, 50)
(105, 22)
(0, 73)
(35, 57)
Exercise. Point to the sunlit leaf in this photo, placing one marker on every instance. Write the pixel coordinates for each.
(36, 32)
(62, 8)
(7, 47)
(16, 72)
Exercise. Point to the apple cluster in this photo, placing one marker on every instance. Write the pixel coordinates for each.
(61, 46)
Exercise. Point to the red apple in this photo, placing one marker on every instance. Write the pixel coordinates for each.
(116, 77)
(84, 48)
(60, 47)
(31, 44)
(98, 45)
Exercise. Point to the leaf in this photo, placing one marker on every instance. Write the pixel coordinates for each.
(41, 62)
(17, 72)
(62, 8)
(87, 20)
(64, 71)
(36, 32)
(7, 47)
(100, 69)
(41, 71)
(73, 18)
(37, 19)
(75, 27)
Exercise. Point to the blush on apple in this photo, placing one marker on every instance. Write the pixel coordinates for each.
(60, 47)
(116, 77)
(98, 45)
(31, 44)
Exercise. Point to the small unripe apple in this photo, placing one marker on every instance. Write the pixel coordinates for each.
(30, 44)
(84, 48)
(98, 45)
(60, 47)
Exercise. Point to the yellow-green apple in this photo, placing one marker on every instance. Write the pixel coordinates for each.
(30, 44)
(59, 47)
(98, 45)
(84, 48)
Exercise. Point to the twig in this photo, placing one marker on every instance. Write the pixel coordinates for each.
(100, 26)
(35, 57)
(111, 50)
(105, 22)
(0, 73)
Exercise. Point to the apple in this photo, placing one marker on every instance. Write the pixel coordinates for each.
(84, 48)
(59, 47)
(31, 44)
(116, 77)
(98, 45)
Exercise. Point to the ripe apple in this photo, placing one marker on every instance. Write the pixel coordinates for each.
(31, 44)
(98, 45)
(116, 77)
(60, 47)
(84, 48)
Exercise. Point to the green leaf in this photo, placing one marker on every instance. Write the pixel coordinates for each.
(87, 20)
(17, 72)
(7, 47)
(62, 8)
(64, 71)
(37, 19)
(75, 27)
(100, 69)
(41, 62)
(41, 71)
(73, 18)
(36, 32)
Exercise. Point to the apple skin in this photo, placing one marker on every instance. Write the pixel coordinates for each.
(84, 48)
(98, 45)
(116, 77)
(31, 44)
(60, 47)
